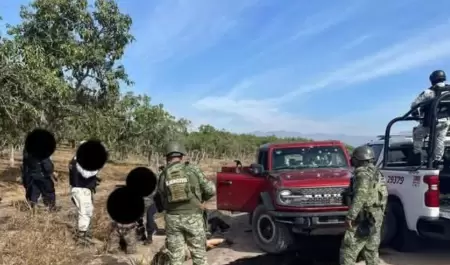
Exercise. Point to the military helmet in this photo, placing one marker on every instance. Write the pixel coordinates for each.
(363, 153)
(437, 76)
(175, 148)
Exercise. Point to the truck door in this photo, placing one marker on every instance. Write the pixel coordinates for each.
(238, 191)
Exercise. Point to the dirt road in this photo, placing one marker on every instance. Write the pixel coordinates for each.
(316, 250)
(313, 250)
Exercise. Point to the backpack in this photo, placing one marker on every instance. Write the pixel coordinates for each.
(176, 183)
(379, 188)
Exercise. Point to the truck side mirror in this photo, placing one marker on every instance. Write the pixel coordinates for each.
(256, 169)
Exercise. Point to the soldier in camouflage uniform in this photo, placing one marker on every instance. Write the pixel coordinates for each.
(438, 86)
(120, 234)
(366, 210)
(184, 188)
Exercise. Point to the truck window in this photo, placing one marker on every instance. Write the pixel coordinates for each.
(398, 156)
(377, 148)
(308, 157)
(262, 158)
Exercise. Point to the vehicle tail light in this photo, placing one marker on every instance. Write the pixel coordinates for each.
(432, 194)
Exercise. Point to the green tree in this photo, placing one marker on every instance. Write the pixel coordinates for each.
(60, 69)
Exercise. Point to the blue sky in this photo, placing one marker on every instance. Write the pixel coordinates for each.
(345, 66)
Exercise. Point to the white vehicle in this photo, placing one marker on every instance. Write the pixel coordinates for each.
(419, 196)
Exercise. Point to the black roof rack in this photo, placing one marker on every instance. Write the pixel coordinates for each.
(381, 137)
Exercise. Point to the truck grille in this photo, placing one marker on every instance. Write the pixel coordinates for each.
(317, 196)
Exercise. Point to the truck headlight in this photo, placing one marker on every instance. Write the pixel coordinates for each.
(285, 193)
(284, 196)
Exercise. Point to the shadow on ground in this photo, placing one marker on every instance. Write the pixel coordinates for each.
(317, 250)
(324, 250)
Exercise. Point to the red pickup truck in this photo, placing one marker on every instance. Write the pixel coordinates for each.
(293, 188)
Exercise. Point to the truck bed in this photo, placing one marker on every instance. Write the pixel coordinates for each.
(444, 188)
(444, 182)
(444, 211)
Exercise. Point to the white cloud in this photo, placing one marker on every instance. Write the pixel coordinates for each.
(303, 30)
(414, 52)
(356, 42)
(323, 21)
(183, 27)
(265, 114)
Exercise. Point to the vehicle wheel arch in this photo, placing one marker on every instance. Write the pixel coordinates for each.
(281, 238)
(394, 199)
(391, 219)
(405, 240)
(266, 200)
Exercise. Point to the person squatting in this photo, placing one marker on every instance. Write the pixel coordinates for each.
(126, 236)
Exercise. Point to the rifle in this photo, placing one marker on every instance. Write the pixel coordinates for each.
(366, 224)
(347, 194)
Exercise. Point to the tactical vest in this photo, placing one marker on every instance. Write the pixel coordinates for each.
(180, 188)
(379, 189)
(378, 196)
(443, 109)
(176, 183)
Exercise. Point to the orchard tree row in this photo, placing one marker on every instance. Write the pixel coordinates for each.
(60, 70)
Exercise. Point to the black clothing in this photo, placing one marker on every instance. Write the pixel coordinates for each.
(37, 180)
(77, 180)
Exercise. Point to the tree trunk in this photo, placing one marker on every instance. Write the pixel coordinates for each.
(11, 155)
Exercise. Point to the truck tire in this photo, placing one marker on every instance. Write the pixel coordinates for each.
(405, 240)
(270, 236)
(390, 226)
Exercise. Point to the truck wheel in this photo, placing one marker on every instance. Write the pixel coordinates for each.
(270, 236)
(389, 228)
(405, 240)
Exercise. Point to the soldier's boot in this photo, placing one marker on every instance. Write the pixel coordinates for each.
(83, 239)
(149, 239)
(140, 233)
(131, 249)
(113, 248)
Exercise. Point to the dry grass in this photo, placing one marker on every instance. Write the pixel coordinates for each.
(38, 239)
(46, 238)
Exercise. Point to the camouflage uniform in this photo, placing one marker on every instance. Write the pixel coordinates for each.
(369, 202)
(185, 223)
(437, 79)
(124, 233)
